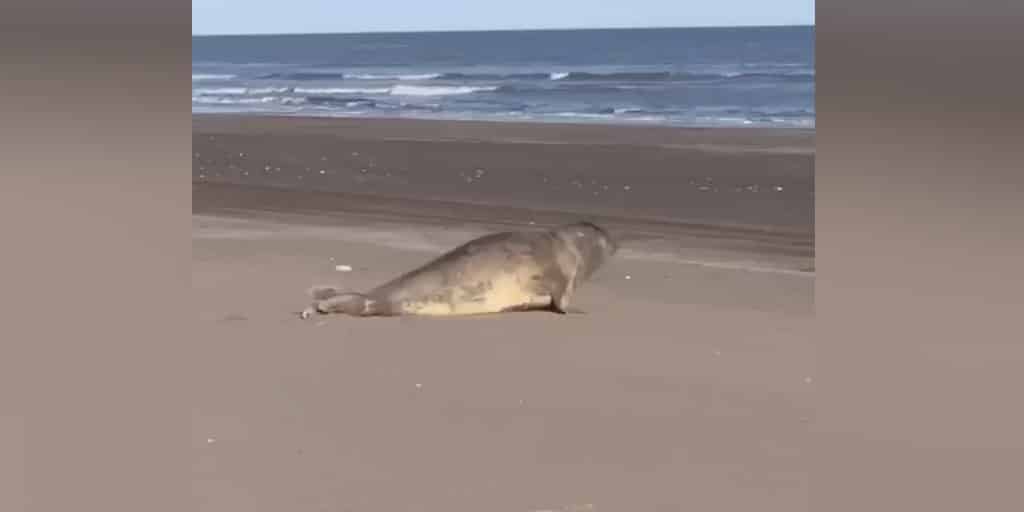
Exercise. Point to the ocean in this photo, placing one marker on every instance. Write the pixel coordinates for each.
(741, 76)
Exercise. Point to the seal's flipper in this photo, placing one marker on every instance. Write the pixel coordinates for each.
(354, 304)
(560, 303)
(560, 298)
(568, 310)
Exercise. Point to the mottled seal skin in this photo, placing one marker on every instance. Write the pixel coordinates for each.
(512, 271)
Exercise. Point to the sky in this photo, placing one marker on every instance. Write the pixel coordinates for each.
(321, 16)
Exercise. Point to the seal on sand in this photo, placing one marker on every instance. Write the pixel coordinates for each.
(512, 271)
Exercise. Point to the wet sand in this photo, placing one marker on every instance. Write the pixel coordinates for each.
(719, 177)
(686, 386)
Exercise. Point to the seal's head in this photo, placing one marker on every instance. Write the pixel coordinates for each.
(591, 241)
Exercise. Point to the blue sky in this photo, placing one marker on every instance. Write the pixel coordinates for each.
(308, 16)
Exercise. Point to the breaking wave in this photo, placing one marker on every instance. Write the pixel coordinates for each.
(437, 90)
(372, 76)
(654, 76)
(201, 77)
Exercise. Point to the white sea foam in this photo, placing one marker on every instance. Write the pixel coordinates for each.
(268, 90)
(647, 119)
(196, 77)
(220, 100)
(582, 115)
(436, 90)
(238, 91)
(558, 75)
(343, 90)
(219, 90)
(397, 90)
(370, 76)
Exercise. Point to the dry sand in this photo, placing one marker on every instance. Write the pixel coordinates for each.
(686, 386)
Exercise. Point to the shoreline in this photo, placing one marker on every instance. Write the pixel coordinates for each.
(537, 120)
(711, 138)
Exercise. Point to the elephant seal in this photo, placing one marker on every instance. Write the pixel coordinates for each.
(511, 271)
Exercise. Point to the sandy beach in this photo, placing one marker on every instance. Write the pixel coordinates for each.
(687, 385)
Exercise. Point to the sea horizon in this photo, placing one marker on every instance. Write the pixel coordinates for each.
(547, 29)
